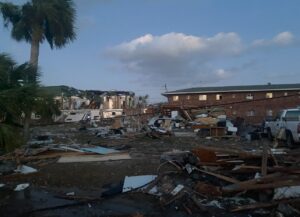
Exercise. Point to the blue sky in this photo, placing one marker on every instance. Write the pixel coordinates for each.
(141, 45)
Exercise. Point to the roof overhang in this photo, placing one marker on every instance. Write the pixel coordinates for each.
(227, 91)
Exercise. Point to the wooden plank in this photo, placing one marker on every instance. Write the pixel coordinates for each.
(225, 178)
(253, 186)
(93, 158)
(264, 205)
(238, 186)
(264, 160)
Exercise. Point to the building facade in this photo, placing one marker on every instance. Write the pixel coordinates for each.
(253, 103)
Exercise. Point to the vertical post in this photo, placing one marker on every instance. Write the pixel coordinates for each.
(264, 161)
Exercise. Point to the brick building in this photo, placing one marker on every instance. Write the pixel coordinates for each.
(252, 102)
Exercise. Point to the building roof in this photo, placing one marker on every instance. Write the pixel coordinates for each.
(245, 88)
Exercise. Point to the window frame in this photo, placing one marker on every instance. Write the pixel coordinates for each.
(203, 99)
(175, 98)
(269, 95)
(219, 97)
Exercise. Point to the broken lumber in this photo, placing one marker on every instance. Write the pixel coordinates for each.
(225, 178)
(264, 205)
(256, 186)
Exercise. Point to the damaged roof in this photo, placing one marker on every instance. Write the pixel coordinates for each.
(245, 88)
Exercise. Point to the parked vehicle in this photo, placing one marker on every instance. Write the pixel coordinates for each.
(286, 126)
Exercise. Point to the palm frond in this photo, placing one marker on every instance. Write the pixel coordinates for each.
(11, 13)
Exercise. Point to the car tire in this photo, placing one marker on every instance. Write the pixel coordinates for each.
(289, 140)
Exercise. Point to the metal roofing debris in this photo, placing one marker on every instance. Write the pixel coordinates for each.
(23, 169)
(21, 187)
(236, 88)
(68, 149)
(134, 182)
(100, 150)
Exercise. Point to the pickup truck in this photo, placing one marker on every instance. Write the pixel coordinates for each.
(285, 126)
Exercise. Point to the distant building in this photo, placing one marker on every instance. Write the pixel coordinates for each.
(111, 103)
(118, 100)
(252, 102)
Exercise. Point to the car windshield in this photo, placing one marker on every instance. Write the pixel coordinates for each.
(293, 115)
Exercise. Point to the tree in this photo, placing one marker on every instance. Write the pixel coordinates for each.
(40, 20)
(143, 100)
(20, 96)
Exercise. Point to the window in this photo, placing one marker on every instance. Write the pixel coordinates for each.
(293, 115)
(218, 97)
(285, 93)
(269, 95)
(233, 96)
(269, 113)
(250, 113)
(202, 97)
(249, 96)
(188, 97)
(175, 98)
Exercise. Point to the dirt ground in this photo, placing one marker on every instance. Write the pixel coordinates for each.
(90, 179)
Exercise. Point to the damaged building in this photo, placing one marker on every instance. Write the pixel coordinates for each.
(111, 103)
(254, 103)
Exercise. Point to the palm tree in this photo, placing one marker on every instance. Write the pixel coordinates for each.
(40, 20)
(20, 96)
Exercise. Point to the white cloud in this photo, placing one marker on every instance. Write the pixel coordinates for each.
(177, 58)
(178, 45)
(281, 39)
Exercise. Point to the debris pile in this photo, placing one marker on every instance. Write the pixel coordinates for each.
(207, 180)
(60, 153)
(205, 124)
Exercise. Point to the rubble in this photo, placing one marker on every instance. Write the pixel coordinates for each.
(189, 173)
(213, 181)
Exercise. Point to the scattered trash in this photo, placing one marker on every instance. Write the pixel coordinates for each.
(286, 192)
(70, 193)
(41, 140)
(21, 187)
(23, 169)
(177, 189)
(134, 182)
